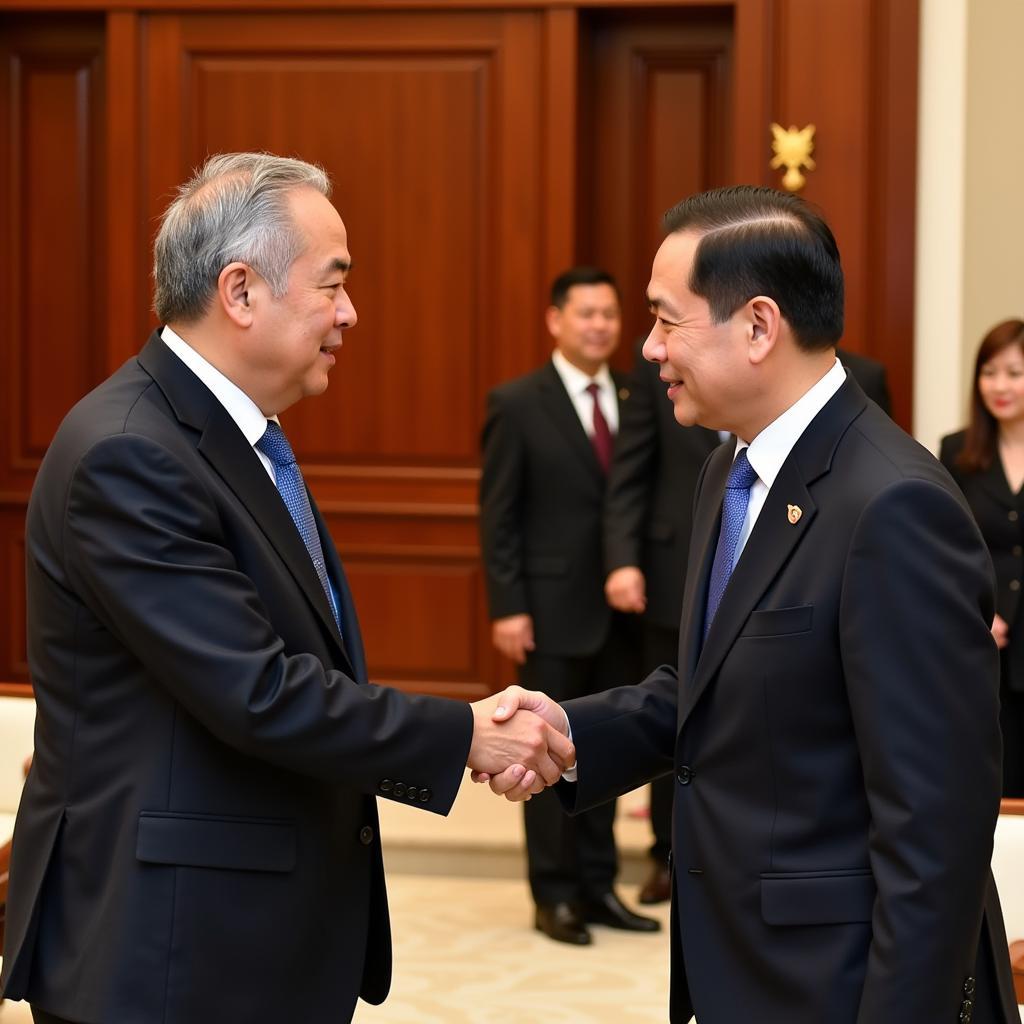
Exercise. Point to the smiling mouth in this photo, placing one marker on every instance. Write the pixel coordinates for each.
(671, 383)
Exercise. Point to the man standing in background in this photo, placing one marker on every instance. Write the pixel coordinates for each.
(547, 447)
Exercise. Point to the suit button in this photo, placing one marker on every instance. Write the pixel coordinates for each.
(411, 793)
(1018, 550)
(969, 987)
(399, 789)
(685, 775)
(1015, 584)
(1012, 516)
(385, 785)
(366, 835)
(425, 795)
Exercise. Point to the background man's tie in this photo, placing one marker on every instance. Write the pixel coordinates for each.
(734, 511)
(275, 446)
(602, 439)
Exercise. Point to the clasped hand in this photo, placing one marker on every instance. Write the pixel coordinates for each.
(520, 743)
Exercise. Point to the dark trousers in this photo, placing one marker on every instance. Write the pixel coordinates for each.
(572, 858)
(1011, 722)
(660, 646)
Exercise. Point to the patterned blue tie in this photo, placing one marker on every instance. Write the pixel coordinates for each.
(275, 446)
(734, 511)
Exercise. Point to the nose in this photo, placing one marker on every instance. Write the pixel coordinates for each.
(653, 348)
(345, 315)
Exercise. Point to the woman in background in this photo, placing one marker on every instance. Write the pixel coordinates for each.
(987, 461)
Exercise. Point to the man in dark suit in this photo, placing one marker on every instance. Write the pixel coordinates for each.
(648, 518)
(547, 443)
(833, 730)
(197, 840)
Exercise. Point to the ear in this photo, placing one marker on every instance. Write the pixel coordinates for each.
(553, 319)
(234, 284)
(764, 324)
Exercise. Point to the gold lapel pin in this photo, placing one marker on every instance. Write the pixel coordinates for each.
(623, 394)
(793, 514)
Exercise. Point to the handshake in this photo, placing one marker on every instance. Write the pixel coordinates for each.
(520, 743)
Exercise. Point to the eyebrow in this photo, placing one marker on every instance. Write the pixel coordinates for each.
(654, 303)
(337, 265)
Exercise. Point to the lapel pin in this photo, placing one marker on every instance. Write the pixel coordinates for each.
(623, 394)
(793, 514)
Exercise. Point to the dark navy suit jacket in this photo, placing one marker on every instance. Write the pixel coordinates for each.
(835, 743)
(198, 836)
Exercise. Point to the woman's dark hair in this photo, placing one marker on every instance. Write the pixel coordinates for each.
(982, 438)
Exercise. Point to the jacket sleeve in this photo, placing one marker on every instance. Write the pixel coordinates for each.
(144, 546)
(922, 673)
(502, 485)
(624, 737)
(631, 476)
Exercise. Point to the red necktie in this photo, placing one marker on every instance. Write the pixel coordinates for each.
(602, 439)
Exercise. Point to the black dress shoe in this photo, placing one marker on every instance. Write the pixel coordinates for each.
(609, 910)
(658, 887)
(561, 922)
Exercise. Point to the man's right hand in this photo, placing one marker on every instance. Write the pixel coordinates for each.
(536, 744)
(517, 782)
(626, 590)
(513, 636)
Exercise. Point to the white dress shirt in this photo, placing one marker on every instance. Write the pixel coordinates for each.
(770, 449)
(238, 405)
(576, 383)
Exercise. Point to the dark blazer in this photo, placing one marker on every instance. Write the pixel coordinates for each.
(649, 504)
(1000, 517)
(835, 743)
(541, 499)
(870, 375)
(198, 835)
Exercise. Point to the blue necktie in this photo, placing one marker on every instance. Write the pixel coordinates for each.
(275, 446)
(734, 511)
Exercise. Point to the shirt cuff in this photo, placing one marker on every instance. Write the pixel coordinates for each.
(569, 775)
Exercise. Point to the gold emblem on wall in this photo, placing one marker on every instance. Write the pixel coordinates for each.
(793, 150)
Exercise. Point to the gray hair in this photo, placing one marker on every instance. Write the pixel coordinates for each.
(234, 209)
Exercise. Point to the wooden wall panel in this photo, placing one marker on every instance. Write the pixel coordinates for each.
(13, 656)
(849, 67)
(51, 293)
(393, 445)
(477, 147)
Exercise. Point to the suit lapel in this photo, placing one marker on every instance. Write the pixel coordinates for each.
(771, 542)
(702, 552)
(993, 480)
(558, 405)
(225, 448)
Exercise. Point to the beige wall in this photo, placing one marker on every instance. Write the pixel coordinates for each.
(970, 259)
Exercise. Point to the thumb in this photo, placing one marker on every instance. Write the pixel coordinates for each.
(509, 703)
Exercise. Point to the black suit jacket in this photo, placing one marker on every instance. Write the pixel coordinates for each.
(649, 505)
(870, 375)
(1000, 517)
(836, 745)
(541, 499)
(198, 837)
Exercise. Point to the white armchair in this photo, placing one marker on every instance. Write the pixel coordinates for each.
(1008, 868)
(17, 723)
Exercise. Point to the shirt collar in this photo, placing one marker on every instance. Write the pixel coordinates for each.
(239, 406)
(575, 380)
(770, 449)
